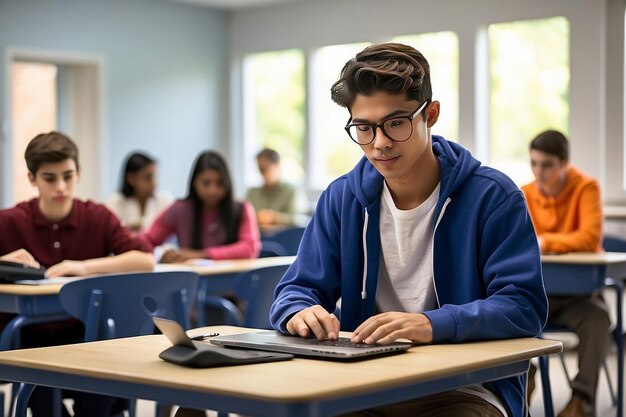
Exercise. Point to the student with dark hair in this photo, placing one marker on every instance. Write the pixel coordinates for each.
(138, 202)
(419, 240)
(68, 237)
(566, 210)
(276, 202)
(208, 223)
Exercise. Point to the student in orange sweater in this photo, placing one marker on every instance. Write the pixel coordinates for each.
(566, 210)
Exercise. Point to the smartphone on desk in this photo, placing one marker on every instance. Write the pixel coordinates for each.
(15, 271)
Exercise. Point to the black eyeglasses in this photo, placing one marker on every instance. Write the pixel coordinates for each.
(398, 129)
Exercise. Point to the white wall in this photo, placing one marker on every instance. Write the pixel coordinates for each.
(596, 59)
(165, 71)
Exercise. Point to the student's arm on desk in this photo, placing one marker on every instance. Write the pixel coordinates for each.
(22, 256)
(131, 261)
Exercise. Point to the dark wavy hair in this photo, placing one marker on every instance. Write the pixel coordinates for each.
(49, 147)
(390, 67)
(552, 142)
(229, 210)
(135, 162)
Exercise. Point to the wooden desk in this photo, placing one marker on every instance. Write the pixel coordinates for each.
(301, 387)
(583, 273)
(40, 303)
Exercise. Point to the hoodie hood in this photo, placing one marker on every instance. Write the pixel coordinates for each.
(456, 165)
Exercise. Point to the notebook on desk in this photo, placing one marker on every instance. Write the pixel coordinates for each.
(277, 342)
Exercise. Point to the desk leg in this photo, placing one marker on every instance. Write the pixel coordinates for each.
(544, 370)
(619, 340)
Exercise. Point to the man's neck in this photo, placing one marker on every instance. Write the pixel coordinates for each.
(554, 190)
(55, 214)
(409, 193)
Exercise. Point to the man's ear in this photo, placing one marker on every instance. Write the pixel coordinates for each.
(31, 179)
(432, 113)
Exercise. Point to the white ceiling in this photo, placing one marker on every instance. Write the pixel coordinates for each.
(236, 4)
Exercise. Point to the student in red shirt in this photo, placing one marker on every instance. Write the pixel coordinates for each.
(209, 223)
(69, 237)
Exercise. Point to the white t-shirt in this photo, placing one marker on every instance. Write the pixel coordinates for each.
(405, 279)
(405, 276)
(127, 209)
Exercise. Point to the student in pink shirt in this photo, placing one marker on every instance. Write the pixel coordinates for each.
(208, 223)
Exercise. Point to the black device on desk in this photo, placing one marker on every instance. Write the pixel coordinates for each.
(15, 271)
(189, 352)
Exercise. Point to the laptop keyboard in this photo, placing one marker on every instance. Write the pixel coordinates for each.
(344, 342)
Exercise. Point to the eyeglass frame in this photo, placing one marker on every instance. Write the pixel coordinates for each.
(375, 126)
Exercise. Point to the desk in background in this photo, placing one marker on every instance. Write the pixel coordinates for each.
(40, 303)
(32, 304)
(582, 273)
(301, 387)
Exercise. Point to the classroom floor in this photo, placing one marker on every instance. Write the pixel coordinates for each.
(560, 389)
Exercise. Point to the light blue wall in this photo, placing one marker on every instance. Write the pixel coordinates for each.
(165, 73)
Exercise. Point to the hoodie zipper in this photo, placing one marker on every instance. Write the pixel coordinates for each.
(364, 281)
(443, 210)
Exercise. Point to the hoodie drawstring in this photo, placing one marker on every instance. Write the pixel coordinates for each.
(363, 291)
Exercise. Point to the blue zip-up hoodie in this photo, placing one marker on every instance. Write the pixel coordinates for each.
(486, 261)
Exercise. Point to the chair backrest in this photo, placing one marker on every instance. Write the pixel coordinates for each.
(289, 239)
(256, 289)
(614, 244)
(123, 305)
(270, 248)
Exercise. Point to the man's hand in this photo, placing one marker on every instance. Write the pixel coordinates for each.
(388, 327)
(21, 256)
(323, 324)
(67, 269)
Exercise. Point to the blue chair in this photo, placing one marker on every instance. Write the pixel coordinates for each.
(256, 290)
(614, 244)
(271, 248)
(123, 305)
(288, 238)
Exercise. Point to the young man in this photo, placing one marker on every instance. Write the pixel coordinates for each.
(419, 240)
(68, 237)
(566, 210)
(276, 202)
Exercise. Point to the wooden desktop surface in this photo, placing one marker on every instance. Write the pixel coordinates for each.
(586, 258)
(212, 268)
(136, 360)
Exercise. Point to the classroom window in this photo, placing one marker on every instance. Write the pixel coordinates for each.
(34, 104)
(529, 89)
(332, 152)
(274, 114)
(441, 49)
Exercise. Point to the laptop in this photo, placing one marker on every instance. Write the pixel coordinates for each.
(275, 341)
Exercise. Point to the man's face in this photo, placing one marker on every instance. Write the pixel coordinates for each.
(394, 160)
(55, 182)
(548, 169)
(143, 181)
(209, 186)
(269, 170)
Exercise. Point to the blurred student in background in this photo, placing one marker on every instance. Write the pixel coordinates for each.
(138, 202)
(566, 210)
(68, 236)
(276, 202)
(208, 223)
